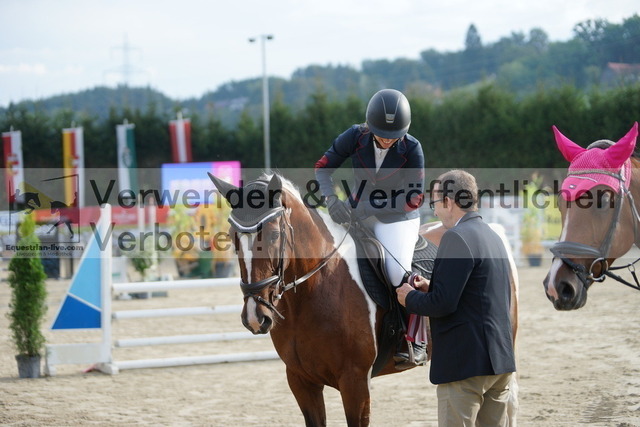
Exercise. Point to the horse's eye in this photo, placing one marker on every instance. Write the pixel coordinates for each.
(606, 200)
(274, 236)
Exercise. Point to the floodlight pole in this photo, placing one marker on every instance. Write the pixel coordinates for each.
(265, 101)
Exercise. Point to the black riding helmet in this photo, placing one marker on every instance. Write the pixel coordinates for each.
(388, 114)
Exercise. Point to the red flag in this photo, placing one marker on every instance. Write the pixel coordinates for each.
(180, 131)
(14, 167)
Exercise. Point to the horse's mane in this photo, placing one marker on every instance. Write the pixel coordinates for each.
(286, 184)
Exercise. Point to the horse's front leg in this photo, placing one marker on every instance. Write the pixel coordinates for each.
(310, 399)
(356, 399)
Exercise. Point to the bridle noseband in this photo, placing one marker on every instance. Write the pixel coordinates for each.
(562, 249)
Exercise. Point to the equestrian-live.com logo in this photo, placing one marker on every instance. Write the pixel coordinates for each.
(54, 204)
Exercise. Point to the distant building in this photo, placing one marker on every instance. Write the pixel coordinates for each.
(617, 73)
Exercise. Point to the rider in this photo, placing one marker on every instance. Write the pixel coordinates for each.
(388, 169)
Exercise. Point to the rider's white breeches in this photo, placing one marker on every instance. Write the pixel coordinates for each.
(399, 240)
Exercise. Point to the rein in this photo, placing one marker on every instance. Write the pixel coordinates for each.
(560, 249)
(277, 279)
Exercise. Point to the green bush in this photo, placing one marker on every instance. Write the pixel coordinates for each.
(141, 261)
(29, 293)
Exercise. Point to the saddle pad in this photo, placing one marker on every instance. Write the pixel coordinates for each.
(376, 289)
(423, 259)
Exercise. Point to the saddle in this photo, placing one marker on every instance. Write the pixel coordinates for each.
(371, 262)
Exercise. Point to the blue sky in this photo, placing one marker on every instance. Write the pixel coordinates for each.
(186, 48)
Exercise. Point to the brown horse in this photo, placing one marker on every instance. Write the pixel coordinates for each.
(599, 208)
(301, 284)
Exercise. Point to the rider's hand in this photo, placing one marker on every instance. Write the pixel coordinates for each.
(338, 210)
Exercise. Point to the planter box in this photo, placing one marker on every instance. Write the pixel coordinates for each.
(28, 366)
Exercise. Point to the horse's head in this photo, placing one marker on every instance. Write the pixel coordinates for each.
(262, 234)
(36, 199)
(599, 219)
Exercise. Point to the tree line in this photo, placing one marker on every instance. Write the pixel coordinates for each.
(489, 127)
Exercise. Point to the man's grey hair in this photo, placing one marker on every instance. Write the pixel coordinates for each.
(461, 187)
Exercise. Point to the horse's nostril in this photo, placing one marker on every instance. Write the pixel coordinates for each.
(266, 321)
(566, 291)
(266, 324)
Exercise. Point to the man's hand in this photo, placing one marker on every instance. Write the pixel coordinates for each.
(421, 283)
(402, 293)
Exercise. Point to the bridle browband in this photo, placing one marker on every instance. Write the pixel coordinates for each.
(253, 289)
(562, 249)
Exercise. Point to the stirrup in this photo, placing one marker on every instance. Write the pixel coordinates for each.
(412, 358)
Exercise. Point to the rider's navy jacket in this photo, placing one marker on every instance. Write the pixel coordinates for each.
(393, 193)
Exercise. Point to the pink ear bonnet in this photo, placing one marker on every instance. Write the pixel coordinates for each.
(612, 160)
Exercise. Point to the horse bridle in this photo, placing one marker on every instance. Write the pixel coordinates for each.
(562, 249)
(276, 280)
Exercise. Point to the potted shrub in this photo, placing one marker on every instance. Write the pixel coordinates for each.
(142, 261)
(28, 300)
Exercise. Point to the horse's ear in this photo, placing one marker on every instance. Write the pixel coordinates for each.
(223, 187)
(568, 148)
(619, 152)
(274, 190)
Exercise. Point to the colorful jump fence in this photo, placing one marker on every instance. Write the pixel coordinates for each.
(87, 305)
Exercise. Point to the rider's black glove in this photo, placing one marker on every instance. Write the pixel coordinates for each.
(338, 209)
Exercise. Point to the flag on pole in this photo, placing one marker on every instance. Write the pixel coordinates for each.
(180, 131)
(73, 165)
(127, 165)
(14, 166)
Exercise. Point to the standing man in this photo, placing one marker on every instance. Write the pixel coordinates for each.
(468, 303)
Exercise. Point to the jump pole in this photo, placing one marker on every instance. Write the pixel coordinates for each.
(164, 285)
(197, 360)
(173, 312)
(186, 339)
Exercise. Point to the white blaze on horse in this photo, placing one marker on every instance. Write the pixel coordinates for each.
(302, 284)
(598, 202)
